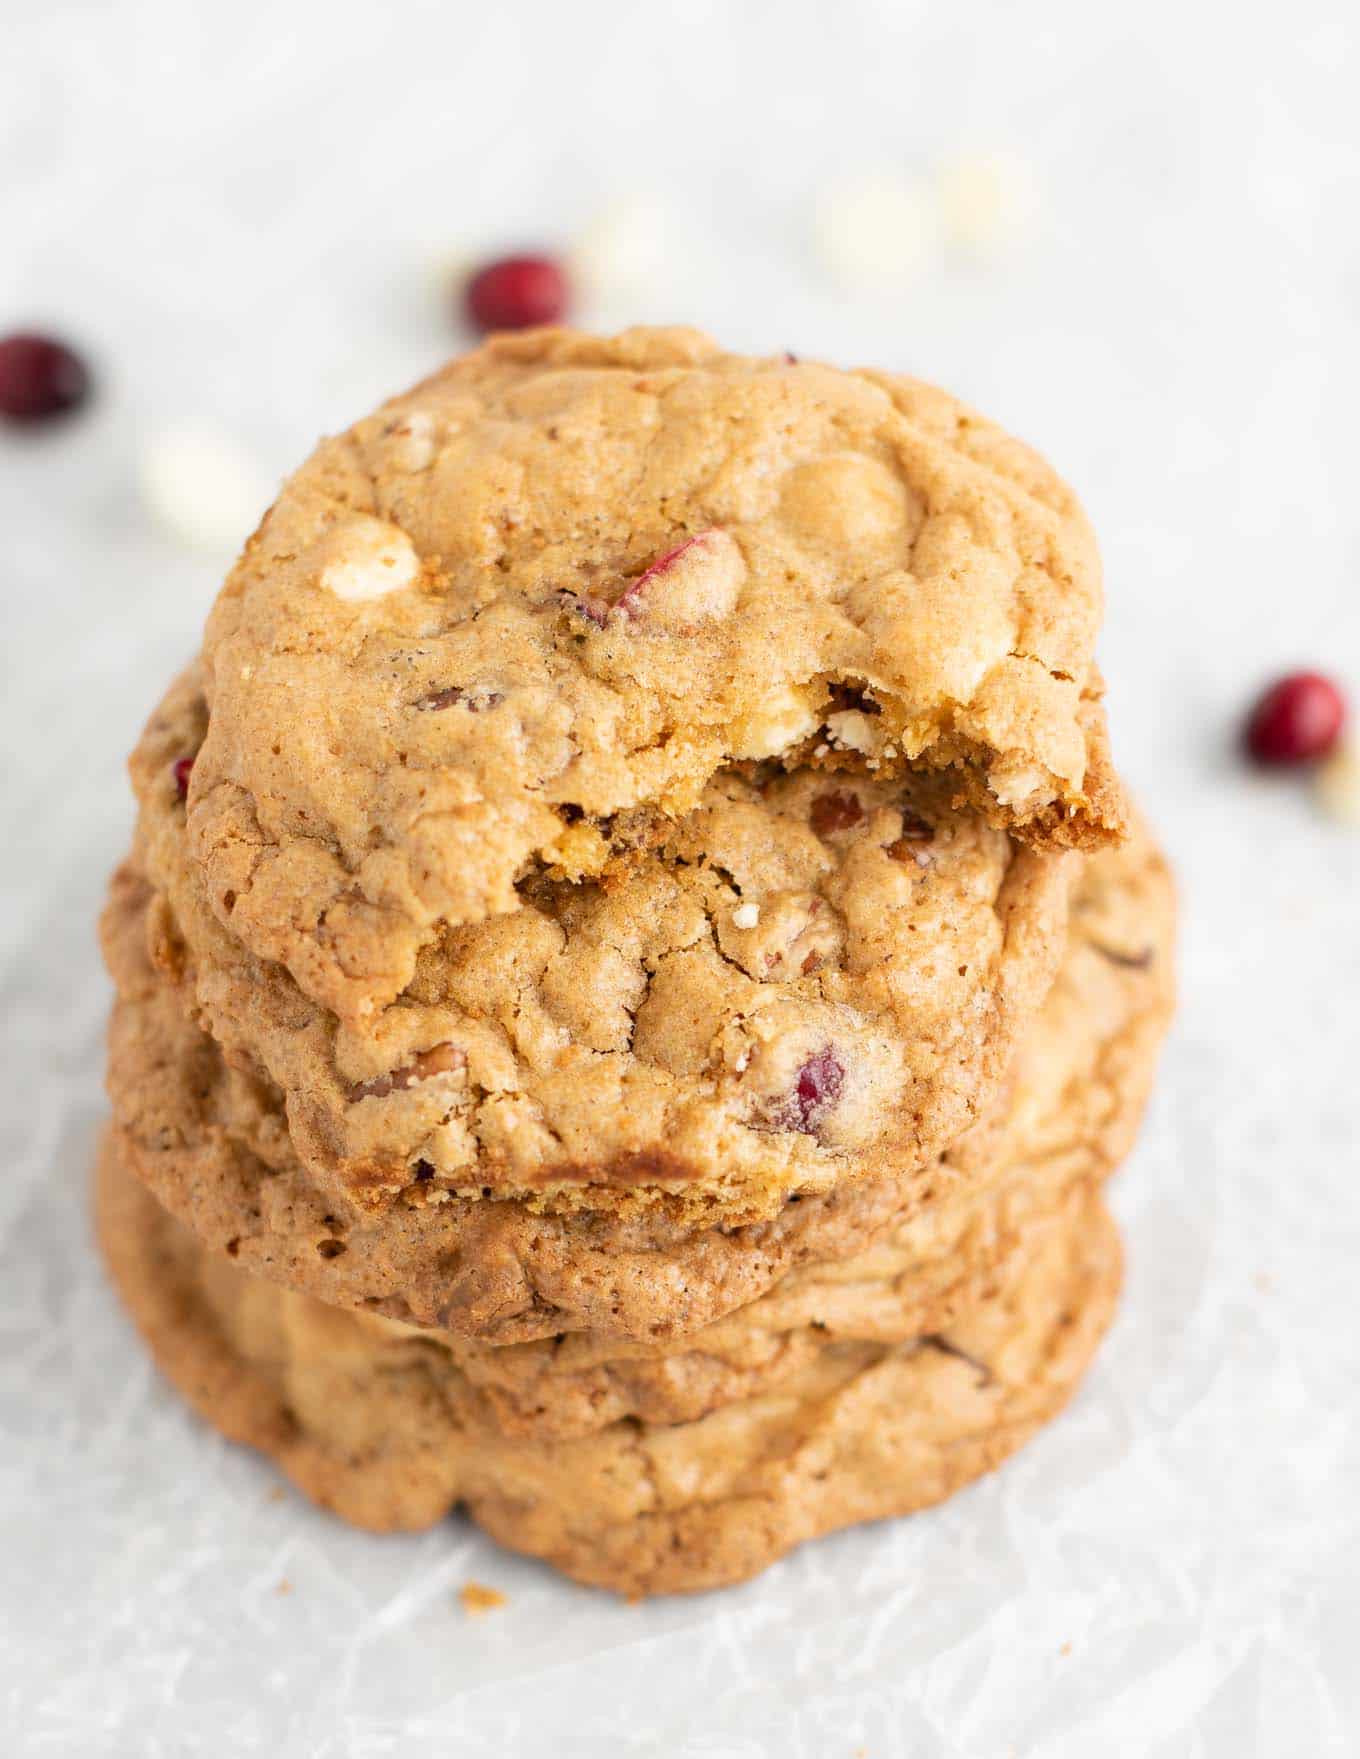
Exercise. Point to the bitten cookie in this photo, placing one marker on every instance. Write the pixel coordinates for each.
(211, 1142)
(372, 1426)
(800, 977)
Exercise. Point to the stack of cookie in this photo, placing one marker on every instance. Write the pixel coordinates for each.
(635, 965)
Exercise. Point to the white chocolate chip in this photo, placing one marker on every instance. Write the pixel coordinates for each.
(746, 915)
(853, 730)
(202, 488)
(876, 232)
(367, 559)
(624, 249)
(410, 443)
(782, 720)
(1018, 785)
(986, 200)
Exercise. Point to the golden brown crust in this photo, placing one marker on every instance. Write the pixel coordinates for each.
(387, 1433)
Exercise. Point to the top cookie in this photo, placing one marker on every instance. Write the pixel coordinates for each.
(568, 579)
(804, 979)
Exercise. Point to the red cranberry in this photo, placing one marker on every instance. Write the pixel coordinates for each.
(629, 600)
(183, 766)
(39, 378)
(835, 812)
(516, 292)
(816, 1090)
(1298, 720)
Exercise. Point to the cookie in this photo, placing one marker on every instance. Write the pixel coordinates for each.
(212, 1143)
(567, 580)
(375, 1426)
(799, 978)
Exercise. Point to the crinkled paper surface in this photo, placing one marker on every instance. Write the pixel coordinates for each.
(235, 207)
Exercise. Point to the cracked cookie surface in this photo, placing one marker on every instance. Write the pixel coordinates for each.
(382, 1431)
(803, 975)
(211, 1142)
(567, 578)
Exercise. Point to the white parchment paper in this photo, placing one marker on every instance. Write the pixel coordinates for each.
(238, 210)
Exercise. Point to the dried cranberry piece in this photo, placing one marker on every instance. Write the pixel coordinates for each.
(835, 812)
(816, 1089)
(183, 768)
(628, 599)
(1298, 720)
(516, 292)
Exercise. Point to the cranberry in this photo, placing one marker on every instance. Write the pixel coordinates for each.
(816, 1090)
(515, 292)
(39, 378)
(1298, 720)
(629, 599)
(182, 770)
(835, 812)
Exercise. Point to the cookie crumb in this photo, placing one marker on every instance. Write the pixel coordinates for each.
(1066, 1649)
(284, 1587)
(476, 1598)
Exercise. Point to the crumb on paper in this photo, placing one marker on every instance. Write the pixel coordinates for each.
(284, 1587)
(1066, 1649)
(277, 1494)
(1264, 1282)
(476, 1598)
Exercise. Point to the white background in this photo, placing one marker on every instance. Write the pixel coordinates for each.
(241, 211)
